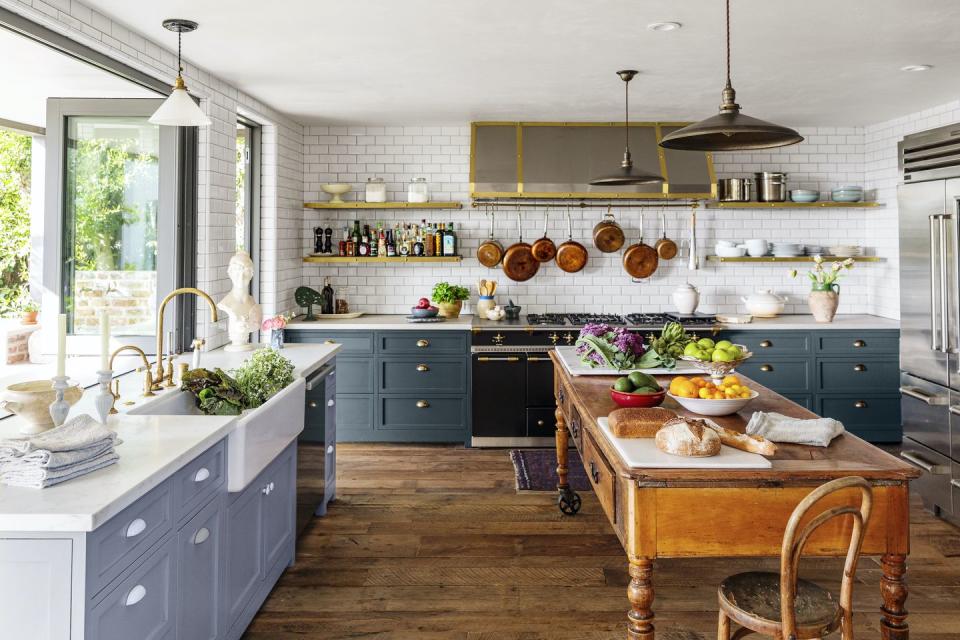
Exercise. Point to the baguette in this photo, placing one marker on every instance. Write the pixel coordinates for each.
(743, 441)
(638, 422)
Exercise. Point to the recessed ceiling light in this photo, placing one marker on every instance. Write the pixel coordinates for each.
(664, 26)
(917, 67)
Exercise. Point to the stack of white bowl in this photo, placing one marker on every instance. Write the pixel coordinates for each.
(729, 249)
(787, 249)
(847, 193)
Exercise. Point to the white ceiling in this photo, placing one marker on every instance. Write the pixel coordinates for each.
(833, 62)
(34, 72)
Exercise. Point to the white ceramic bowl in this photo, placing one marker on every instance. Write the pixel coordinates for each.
(730, 252)
(714, 407)
(336, 190)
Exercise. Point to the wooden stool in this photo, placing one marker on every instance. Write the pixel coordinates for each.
(781, 605)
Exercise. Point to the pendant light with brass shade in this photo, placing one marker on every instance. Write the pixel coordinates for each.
(730, 130)
(179, 109)
(627, 174)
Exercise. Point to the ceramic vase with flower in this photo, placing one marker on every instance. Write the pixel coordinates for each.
(824, 300)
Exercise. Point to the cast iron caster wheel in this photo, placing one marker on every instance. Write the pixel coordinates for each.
(569, 503)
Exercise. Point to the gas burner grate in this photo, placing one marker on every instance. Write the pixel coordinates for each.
(545, 319)
(594, 318)
(660, 319)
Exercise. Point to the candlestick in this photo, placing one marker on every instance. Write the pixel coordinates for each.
(105, 399)
(59, 408)
(104, 340)
(61, 345)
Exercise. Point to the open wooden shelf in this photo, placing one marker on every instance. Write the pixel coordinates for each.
(826, 259)
(821, 204)
(383, 205)
(379, 259)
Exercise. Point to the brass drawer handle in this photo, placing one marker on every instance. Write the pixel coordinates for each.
(594, 473)
(766, 344)
(540, 423)
(422, 404)
(422, 367)
(423, 343)
(329, 342)
(859, 367)
(766, 368)
(859, 343)
(312, 404)
(561, 396)
(859, 404)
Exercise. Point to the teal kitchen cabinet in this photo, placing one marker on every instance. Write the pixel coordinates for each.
(852, 376)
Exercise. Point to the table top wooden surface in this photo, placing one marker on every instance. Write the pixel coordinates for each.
(792, 464)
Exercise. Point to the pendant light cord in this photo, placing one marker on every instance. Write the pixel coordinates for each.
(728, 43)
(180, 43)
(626, 113)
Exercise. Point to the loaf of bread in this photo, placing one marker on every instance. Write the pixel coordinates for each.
(744, 442)
(688, 437)
(638, 422)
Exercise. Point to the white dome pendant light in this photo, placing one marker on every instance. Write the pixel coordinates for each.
(179, 109)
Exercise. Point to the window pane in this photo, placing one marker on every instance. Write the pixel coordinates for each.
(110, 241)
(243, 186)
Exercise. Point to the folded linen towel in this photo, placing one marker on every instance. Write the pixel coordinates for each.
(34, 477)
(74, 434)
(780, 428)
(58, 459)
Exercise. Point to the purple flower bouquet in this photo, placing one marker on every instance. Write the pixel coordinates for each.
(600, 345)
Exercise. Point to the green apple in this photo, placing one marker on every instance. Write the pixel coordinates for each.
(724, 344)
(706, 343)
(692, 349)
(735, 351)
(722, 355)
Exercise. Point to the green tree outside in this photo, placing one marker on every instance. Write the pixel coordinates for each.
(15, 150)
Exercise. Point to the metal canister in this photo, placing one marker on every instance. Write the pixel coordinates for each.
(771, 186)
(733, 190)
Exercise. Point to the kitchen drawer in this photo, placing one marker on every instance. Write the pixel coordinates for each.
(113, 546)
(142, 606)
(198, 480)
(407, 375)
(354, 412)
(422, 342)
(863, 410)
(355, 374)
(353, 342)
(783, 375)
(771, 343)
(934, 483)
(848, 374)
(199, 576)
(575, 427)
(805, 400)
(541, 422)
(858, 343)
(422, 412)
(601, 475)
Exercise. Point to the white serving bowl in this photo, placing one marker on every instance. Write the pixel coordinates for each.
(730, 252)
(714, 407)
(336, 190)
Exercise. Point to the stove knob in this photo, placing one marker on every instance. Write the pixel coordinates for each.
(498, 339)
(568, 338)
(554, 338)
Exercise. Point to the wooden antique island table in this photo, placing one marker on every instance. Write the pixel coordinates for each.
(683, 513)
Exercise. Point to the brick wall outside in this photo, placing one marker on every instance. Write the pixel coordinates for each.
(128, 296)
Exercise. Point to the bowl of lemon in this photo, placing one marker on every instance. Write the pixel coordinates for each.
(716, 359)
(705, 397)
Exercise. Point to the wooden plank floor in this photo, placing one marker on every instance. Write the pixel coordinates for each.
(432, 542)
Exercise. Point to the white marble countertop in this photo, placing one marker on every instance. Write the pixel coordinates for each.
(374, 322)
(153, 448)
(805, 322)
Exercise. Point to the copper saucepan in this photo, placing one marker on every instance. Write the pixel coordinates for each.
(490, 251)
(571, 255)
(666, 248)
(607, 234)
(640, 260)
(544, 250)
(518, 262)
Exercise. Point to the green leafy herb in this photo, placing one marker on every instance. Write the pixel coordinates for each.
(217, 393)
(446, 292)
(263, 376)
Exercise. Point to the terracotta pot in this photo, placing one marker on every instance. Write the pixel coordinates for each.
(823, 305)
(29, 317)
(450, 309)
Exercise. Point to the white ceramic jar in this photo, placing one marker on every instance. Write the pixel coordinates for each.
(376, 190)
(418, 191)
(686, 297)
(764, 304)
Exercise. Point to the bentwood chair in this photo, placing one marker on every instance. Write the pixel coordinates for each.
(783, 606)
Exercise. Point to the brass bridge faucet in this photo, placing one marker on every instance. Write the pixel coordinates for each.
(147, 379)
(158, 377)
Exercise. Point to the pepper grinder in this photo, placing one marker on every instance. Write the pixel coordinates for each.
(318, 240)
(328, 244)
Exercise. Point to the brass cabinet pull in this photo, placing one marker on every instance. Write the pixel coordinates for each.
(423, 343)
(536, 359)
(594, 473)
(422, 367)
(561, 396)
(766, 367)
(860, 404)
(859, 367)
(859, 343)
(422, 404)
(505, 359)
(539, 423)
(329, 342)
(766, 344)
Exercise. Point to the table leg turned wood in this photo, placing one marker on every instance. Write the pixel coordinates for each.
(640, 594)
(568, 500)
(893, 589)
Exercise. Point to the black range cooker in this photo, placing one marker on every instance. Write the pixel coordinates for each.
(513, 403)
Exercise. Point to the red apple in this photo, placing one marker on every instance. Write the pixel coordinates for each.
(423, 303)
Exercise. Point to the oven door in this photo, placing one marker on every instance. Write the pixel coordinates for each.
(499, 395)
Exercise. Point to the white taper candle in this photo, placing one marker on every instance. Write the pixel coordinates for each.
(104, 340)
(62, 344)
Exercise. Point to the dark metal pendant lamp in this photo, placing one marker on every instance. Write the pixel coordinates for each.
(730, 130)
(627, 175)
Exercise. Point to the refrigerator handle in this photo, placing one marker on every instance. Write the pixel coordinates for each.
(934, 345)
(924, 397)
(944, 288)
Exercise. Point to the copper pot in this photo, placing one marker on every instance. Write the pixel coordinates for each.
(607, 235)
(519, 264)
(544, 250)
(640, 260)
(571, 255)
(490, 251)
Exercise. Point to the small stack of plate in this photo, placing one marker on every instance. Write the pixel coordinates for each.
(845, 251)
(814, 249)
(847, 193)
(787, 249)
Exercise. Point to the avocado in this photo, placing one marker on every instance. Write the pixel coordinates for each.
(640, 379)
(623, 385)
(646, 390)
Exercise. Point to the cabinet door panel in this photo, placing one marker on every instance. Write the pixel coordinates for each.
(244, 550)
(783, 375)
(355, 375)
(278, 508)
(500, 409)
(198, 592)
(877, 376)
(408, 375)
(199, 479)
(35, 589)
(771, 343)
(540, 381)
(423, 342)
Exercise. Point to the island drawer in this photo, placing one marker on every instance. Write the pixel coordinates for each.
(423, 412)
(142, 605)
(764, 344)
(849, 374)
(858, 343)
(784, 375)
(401, 375)
(422, 342)
(356, 375)
(198, 480)
(863, 410)
(353, 342)
(575, 427)
(601, 476)
(933, 485)
(113, 546)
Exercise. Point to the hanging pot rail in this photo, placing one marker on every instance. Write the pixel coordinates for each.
(618, 203)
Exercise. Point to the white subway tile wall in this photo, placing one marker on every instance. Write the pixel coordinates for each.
(829, 157)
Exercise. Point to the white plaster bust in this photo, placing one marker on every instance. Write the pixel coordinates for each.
(242, 310)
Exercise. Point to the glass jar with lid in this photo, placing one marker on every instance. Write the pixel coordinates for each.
(376, 190)
(418, 190)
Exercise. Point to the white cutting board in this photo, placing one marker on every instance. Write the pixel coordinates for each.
(642, 453)
(571, 362)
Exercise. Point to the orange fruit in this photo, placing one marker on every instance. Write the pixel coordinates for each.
(731, 379)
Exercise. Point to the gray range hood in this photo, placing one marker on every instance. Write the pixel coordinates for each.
(558, 160)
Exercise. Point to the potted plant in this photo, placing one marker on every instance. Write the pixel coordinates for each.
(449, 298)
(824, 295)
(28, 314)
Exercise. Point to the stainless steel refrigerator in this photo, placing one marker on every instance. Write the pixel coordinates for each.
(929, 204)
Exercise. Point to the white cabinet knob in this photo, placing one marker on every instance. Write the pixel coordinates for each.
(330, 449)
(271, 487)
(266, 490)
(136, 527)
(202, 474)
(201, 535)
(330, 402)
(136, 594)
